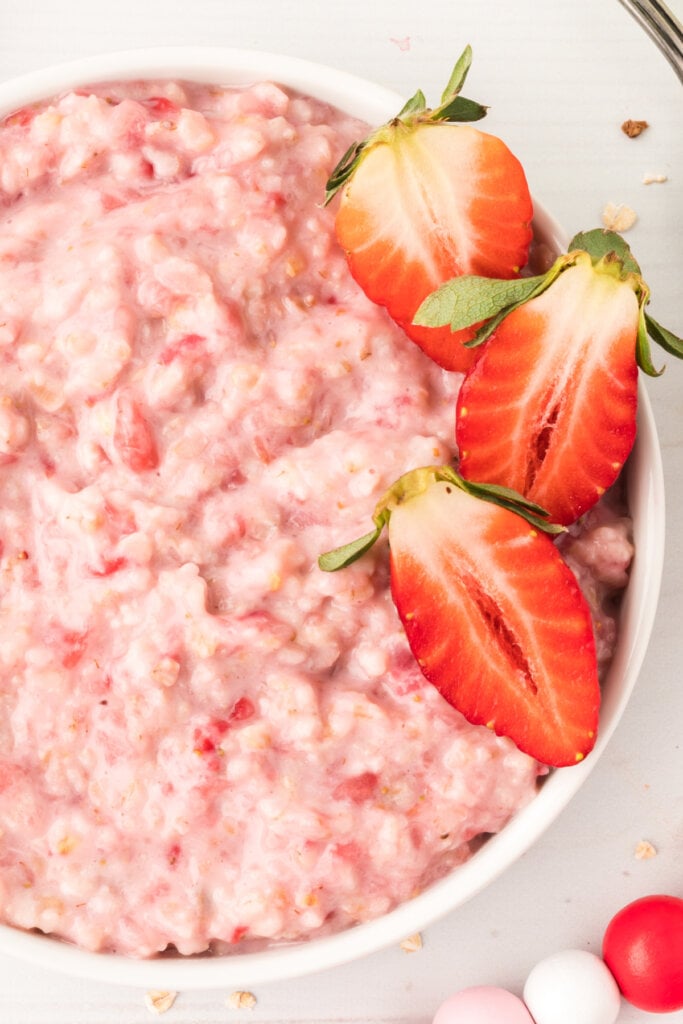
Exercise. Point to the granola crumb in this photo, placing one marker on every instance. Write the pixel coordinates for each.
(241, 1000)
(652, 179)
(645, 850)
(158, 1001)
(634, 128)
(412, 944)
(617, 217)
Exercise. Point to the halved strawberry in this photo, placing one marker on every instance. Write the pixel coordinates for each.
(493, 615)
(422, 200)
(549, 409)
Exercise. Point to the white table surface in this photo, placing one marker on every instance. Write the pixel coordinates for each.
(560, 76)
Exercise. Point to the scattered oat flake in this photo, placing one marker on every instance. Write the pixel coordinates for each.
(158, 1001)
(412, 944)
(652, 179)
(241, 1000)
(645, 850)
(403, 44)
(634, 128)
(618, 217)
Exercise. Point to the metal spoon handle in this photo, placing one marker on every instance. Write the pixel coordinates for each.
(662, 26)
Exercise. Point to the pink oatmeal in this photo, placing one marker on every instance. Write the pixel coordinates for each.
(205, 740)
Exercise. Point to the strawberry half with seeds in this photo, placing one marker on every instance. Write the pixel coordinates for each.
(424, 199)
(493, 615)
(549, 409)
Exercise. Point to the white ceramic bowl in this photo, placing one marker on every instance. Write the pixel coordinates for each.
(646, 498)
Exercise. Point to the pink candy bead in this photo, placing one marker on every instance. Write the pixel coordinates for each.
(483, 1005)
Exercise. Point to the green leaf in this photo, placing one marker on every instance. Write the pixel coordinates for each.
(667, 339)
(643, 354)
(468, 300)
(415, 105)
(599, 243)
(515, 502)
(458, 75)
(343, 170)
(488, 328)
(459, 109)
(415, 110)
(340, 557)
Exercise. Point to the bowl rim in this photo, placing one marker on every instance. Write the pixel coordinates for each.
(372, 103)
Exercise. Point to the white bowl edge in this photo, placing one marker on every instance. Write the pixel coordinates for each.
(374, 104)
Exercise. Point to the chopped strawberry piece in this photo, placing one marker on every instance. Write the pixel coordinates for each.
(20, 118)
(357, 788)
(173, 854)
(75, 644)
(186, 347)
(207, 737)
(350, 852)
(133, 437)
(242, 710)
(108, 566)
(161, 106)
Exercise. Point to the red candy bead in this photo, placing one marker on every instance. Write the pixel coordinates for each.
(643, 948)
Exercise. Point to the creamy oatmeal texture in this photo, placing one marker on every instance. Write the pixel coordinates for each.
(205, 740)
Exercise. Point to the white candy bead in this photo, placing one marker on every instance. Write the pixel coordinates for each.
(571, 987)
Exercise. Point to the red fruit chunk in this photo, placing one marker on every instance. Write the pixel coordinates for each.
(133, 437)
(19, 118)
(643, 948)
(357, 788)
(242, 710)
(161, 106)
(187, 347)
(75, 644)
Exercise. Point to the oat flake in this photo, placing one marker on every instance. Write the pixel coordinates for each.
(412, 944)
(652, 179)
(618, 217)
(158, 1001)
(645, 850)
(241, 1000)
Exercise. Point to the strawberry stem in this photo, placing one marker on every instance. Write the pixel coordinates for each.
(453, 108)
(666, 339)
(600, 243)
(458, 75)
(415, 105)
(467, 300)
(415, 482)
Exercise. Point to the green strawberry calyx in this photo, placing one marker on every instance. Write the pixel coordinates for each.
(467, 300)
(415, 482)
(452, 108)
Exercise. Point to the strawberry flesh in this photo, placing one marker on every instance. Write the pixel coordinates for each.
(430, 202)
(496, 621)
(550, 407)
